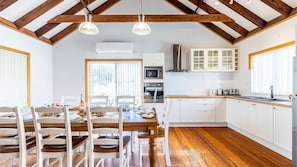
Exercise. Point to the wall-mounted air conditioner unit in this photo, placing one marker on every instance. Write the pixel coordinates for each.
(114, 47)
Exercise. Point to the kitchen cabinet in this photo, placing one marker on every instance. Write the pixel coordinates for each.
(283, 127)
(197, 110)
(245, 114)
(213, 60)
(174, 116)
(232, 109)
(220, 110)
(153, 59)
(269, 125)
(263, 121)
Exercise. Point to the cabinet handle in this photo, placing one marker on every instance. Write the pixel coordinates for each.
(273, 108)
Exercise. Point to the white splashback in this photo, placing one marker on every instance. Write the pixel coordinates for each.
(196, 83)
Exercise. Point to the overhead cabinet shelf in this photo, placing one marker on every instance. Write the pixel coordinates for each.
(213, 60)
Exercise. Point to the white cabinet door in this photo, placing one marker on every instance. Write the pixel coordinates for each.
(283, 127)
(175, 110)
(198, 110)
(213, 59)
(220, 110)
(245, 115)
(230, 111)
(263, 122)
(153, 59)
(187, 110)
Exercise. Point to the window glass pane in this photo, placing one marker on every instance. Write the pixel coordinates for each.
(274, 68)
(13, 78)
(115, 79)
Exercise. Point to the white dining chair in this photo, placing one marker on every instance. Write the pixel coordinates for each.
(163, 135)
(98, 100)
(13, 141)
(60, 143)
(70, 100)
(125, 100)
(107, 141)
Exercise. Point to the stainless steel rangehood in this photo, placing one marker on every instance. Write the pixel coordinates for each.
(177, 58)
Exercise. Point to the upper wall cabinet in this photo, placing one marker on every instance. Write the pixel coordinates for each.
(213, 60)
(153, 59)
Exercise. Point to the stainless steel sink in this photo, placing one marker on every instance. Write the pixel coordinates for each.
(263, 99)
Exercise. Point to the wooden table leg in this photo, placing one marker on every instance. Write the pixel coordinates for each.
(153, 152)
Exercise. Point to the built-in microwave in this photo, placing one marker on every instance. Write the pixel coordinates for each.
(153, 72)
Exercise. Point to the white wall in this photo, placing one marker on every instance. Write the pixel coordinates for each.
(276, 35)
(41, 63)
(70, 53)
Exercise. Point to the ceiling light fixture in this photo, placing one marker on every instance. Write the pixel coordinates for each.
(141, 28)
(248, 1)
(231, 2)
(88, 27)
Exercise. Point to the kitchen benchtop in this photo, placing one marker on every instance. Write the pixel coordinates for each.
(281, 104)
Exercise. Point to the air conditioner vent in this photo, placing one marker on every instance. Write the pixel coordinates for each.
(114, 47)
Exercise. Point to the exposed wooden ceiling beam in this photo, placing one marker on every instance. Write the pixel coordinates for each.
(36, 12)
(5, 3)
(233, 25)
(210, 26)
(74, 26)
(147, 18)
(25, 31)
(279, 6)
(271, 23)
(47, 27)
(245, 13)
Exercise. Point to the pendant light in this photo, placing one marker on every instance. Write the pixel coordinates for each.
(141, 28)
(88, 27)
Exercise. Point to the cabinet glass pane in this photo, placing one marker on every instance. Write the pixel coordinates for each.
(213, 60)
(227, 59)
(198, 60)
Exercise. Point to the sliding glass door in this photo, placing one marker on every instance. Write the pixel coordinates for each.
(114, 78)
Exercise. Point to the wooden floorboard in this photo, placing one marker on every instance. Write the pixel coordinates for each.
(206, 147)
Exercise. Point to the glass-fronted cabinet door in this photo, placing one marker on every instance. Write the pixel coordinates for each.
(213, 60)
(197, 60)
(227, 62)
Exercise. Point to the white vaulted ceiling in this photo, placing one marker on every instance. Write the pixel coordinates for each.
(248, 18)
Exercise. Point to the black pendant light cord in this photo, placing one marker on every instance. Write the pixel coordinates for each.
(85, 5)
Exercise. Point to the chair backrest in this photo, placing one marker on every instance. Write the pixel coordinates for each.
(70, 100)
(52, 116)
(99, 135)
(166, 114)
(123, 100)
(12, 136)
(98, 100)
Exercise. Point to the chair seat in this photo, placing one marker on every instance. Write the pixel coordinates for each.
(30, 143)
(76, 142)
(111, 148)
(160, 133)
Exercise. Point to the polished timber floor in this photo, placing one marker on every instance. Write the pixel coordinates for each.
(206, 147)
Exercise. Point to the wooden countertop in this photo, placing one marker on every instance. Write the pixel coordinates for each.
(281, 104)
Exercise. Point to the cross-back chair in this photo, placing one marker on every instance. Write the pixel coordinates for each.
(13, 141)
(98, 100)
(163, 135)
(55, 121)
(106, 139)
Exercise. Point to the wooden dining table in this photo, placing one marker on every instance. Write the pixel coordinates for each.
(133, 122)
